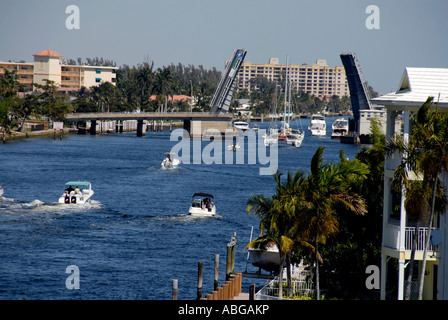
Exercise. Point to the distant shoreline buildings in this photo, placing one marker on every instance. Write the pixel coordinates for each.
(50, 65)
(318, 79)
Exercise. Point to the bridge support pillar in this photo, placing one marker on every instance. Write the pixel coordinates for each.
(93, 127)
(141, 128)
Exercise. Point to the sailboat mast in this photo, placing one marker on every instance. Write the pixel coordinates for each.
(286, 92)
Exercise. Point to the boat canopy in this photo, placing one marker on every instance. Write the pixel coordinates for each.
(84, 184)
(200, 194)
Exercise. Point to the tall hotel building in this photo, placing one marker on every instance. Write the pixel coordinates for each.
(318, 79)
(50, 65)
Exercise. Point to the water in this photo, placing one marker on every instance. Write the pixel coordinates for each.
(135, 236)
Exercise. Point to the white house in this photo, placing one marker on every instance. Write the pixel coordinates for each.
(415, 86)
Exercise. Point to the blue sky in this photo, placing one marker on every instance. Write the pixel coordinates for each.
(412, 33)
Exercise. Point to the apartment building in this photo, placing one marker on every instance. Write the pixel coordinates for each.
(51, 65)
(318, 79)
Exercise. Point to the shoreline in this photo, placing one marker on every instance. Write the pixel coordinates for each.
(38, 133)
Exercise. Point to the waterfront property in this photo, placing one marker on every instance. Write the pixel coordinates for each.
(50, 65)
(416, 85)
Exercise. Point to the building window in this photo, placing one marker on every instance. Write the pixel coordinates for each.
(98, 80)
(98, 71)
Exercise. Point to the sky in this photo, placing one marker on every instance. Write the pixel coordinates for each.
(408, 33)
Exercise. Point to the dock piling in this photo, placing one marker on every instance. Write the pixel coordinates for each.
(199, 292)
(175, 284)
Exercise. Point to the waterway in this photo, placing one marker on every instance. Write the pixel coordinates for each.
(135, 236)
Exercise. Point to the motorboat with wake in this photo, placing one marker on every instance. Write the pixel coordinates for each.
(76, 192)
(170, 162)
(318, 127)
(202, 205)
(340, 128)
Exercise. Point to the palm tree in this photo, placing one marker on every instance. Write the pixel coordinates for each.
(328, 186)
(277, 219)
(302, 211)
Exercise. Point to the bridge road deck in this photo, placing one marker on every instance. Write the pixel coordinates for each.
(194, 122)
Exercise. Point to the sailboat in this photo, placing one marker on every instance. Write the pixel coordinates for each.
(293, 137)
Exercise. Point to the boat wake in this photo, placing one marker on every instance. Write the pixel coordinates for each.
(8, 205)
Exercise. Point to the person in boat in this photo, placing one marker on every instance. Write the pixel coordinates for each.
(69, 189)
(77, 191)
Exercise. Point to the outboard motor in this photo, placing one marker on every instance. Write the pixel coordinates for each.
(73, 199)
(67, 199)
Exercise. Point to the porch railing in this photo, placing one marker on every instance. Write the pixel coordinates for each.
(421, 235)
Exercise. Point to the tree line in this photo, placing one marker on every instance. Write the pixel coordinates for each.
(146, 88)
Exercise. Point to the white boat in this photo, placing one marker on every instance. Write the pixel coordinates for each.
(339, 128)
(233, 147)
(169, 162)
(295, 138)
(267, 259)
(318, 127)
(76, 192)
(202, 205)
(242, 125)
(1, 191)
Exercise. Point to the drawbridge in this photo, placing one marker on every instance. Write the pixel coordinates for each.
(223, 95)
(359, 94)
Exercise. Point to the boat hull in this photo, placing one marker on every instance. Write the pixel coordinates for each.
(76, 198)
(268, 260)
(199, 212)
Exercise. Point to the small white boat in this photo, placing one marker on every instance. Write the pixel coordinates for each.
(242, 125)
(1, 191)
(202, 205)
(295, 139)
(340, 128)
(318, 127)
(267, 259)
(233, 147)
(271, 137)
(77, 192)
(169, 162)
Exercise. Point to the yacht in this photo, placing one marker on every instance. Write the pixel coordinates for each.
(340, 128)
(169, 162)
(295, 138)
(76, 192)
(242, 125)
(202, 205)
(318, 126)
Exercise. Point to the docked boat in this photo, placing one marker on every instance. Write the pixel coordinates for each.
(169, 162)
(76, 192)
(267, 259)
(242, 125)
(339, 128)
(318, 127)
(202, 204)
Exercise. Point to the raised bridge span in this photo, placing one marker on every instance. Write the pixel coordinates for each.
(194, 122)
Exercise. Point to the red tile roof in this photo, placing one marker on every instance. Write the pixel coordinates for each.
(48, 53)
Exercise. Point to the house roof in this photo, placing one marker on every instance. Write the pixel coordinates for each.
(416, 85)
(48, 53)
